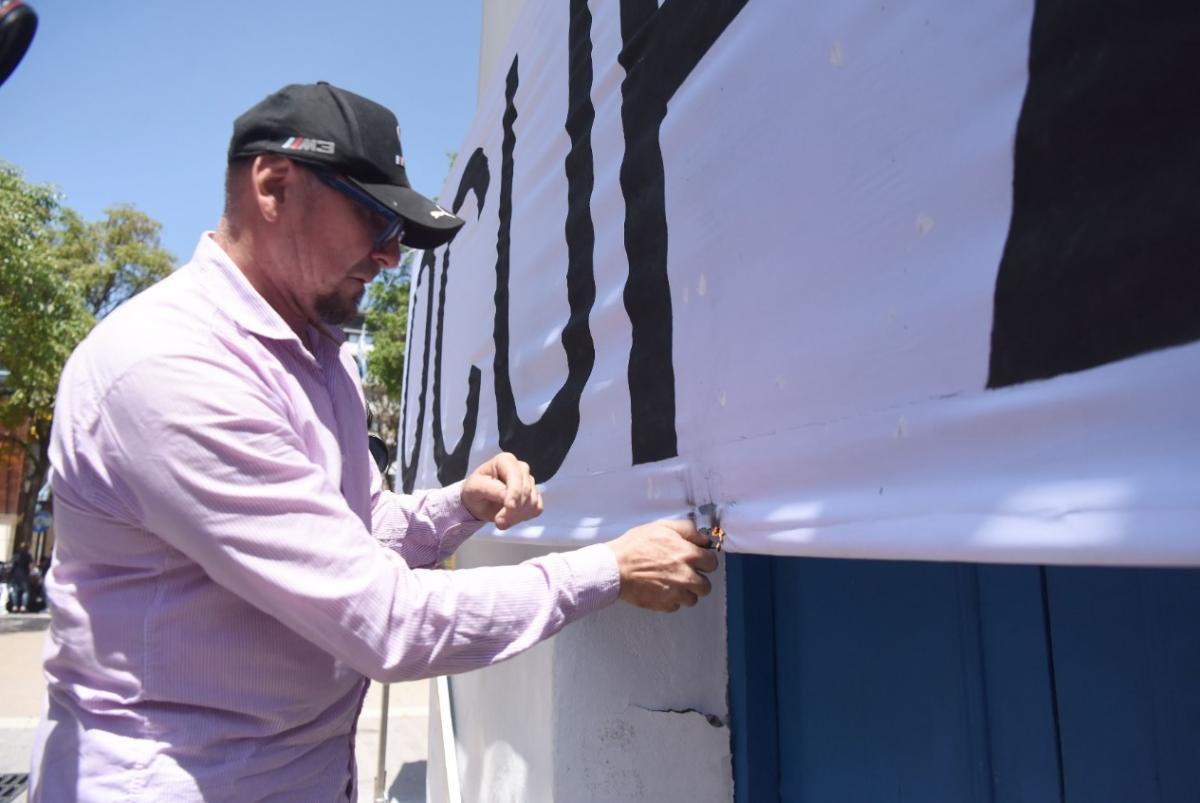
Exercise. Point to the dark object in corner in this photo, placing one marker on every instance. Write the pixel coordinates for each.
(18, 23)
(379, 452)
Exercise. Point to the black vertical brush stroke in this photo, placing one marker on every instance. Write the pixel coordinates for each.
(660, 48)
(1101, 261)
(408, 470)
(545, 443)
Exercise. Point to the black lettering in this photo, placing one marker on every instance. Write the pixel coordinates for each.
(452, 465)
(1100, 261)
(408, 470)
(545, 443)
(660, 48)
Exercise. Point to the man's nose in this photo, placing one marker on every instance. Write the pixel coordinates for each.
(386, 256)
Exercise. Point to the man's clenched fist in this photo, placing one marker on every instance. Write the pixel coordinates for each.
(502, 491)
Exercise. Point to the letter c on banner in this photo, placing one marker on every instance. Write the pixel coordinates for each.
(452, 465)
(408, 470)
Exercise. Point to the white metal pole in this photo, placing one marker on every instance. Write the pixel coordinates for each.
(381, 761)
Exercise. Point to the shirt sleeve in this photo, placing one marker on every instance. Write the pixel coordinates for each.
(424, 528)
(208, 460)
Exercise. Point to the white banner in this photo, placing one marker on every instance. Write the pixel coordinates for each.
(878, 280)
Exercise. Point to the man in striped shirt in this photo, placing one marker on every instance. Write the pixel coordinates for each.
(229, 570)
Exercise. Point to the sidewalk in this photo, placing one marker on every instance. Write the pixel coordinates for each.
(21, 638)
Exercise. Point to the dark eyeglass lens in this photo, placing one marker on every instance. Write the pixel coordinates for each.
(393, 228)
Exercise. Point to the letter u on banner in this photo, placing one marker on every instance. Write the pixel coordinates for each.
(545, 443)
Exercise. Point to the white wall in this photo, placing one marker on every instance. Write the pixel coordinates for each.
(8, 529)
(620, 706)
(504, 716)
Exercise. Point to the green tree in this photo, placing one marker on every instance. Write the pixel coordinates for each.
(386, 315)
(58, 275)
(386, 318)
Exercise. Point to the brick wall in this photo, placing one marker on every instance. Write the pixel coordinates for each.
(11, 466)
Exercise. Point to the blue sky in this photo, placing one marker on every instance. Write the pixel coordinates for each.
(134, 102)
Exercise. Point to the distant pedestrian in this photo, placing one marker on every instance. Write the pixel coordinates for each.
(19, 578)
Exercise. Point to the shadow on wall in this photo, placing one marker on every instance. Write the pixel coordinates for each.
(409, 786)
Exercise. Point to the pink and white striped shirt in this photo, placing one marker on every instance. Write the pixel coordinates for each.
(218, 598)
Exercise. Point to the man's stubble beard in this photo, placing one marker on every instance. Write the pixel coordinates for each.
(333, 309)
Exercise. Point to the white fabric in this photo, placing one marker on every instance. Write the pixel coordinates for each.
(838, 193)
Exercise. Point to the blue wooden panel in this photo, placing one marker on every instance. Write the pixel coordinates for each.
(942, 682)
(752, 703)
(1022, 725)
(893, 681)
(879, 683)
(1127, 661)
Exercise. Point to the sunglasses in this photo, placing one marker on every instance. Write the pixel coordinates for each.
(393, 228)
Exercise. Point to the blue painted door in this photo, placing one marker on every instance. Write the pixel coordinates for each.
(882, 681)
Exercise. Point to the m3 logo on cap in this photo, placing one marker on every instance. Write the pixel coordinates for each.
(308, 144)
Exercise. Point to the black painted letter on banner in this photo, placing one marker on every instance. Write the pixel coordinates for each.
(660, 47)
(452, 465)
(408, 467)
(1101, 261)
(545, 443)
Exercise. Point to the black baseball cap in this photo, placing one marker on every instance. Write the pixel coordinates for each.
(357, 138)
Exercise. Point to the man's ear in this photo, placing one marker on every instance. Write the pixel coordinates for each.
(272, 179)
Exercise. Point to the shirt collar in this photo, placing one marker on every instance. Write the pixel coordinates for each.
(238, 299)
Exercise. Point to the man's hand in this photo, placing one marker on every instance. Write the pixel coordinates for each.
(661, 565)
(502, 491)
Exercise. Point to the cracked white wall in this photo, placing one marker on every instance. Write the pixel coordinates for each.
(618, 707)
